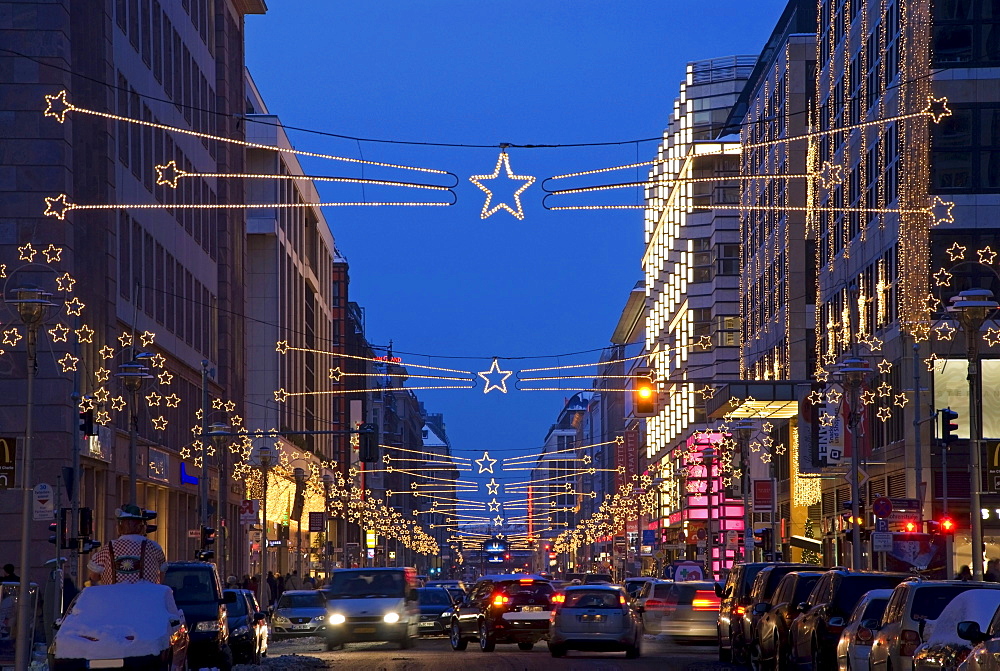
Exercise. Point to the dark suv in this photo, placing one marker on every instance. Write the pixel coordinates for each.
(503, 609)
(198, 593)
(764, 585)
(815, 632)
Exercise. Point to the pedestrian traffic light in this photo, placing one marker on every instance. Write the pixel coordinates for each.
(85, 524)
(949, 426)
(207, 537)
(762, 538)
(943, 526)
(911, 526)
(643, 394)
(87, 426)
(368, 442)
(59, 530)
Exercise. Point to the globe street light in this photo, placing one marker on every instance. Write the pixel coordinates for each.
(217, 432)
(853, 373)
(972, 306)
(265, 454)
(32, 306)
(133, 375)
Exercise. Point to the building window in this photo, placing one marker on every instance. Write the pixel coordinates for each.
(966, 150)
(966, 33)
(727, 259)
(727, 331)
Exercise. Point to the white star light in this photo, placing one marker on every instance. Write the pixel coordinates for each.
(495, 371)
(485, 464)
(492, 486)
(488, 211)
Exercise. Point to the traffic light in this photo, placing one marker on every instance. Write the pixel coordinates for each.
(644, 394)
(207, 540)
(368, 442)
(949, 426)
(87, 426)
(944, 526)
(86, 523)
(59, 530)
(911, 526)
(762, 538)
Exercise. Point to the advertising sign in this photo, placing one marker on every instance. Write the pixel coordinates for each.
(763, 496)
(317, 522)
(250, 511)
(8, 451)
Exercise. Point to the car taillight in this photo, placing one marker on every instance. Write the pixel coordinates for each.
(655, 604)
(705, 600)
(500, 599)
(739, 610)
(558, 599)
(909, 640)
(961, 654)
(863, 636)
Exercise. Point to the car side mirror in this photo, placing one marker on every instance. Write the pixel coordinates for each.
(970, 631)
(719, 591)
(761, 608)
(836, 622)
(870, 623)
(229, 597)
(802, 607)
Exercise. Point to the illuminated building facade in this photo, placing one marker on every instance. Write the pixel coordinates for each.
(691, 267)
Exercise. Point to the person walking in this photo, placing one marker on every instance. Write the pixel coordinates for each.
(9, 575)
(272, 589)
(131, 557)
(292, 581)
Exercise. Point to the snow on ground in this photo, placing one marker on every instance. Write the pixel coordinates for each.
(283, 663)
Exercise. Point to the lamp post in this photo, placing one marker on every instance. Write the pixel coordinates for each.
(972, 307)
(217, 431)
(853, 372)
(133, 375)
(300, 482)
(265, 454)
(744, 429)
(708, 455)
(327, 485)
(32, 304)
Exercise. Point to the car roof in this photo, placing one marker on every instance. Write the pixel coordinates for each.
(514, 576)
(595, 585)
(299, 591)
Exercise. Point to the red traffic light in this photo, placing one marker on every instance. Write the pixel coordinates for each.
(909, 526)
(947, 525)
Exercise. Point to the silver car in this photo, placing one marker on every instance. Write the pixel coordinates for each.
(594, 618)
(299, 612)
(688, 613)
(856, 640)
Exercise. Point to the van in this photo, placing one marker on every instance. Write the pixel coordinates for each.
(199, 594)
(372, 604)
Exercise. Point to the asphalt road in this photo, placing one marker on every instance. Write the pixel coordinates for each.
(435, 654)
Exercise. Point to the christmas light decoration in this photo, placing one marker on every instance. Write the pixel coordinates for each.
(494, 371)
(488, 209)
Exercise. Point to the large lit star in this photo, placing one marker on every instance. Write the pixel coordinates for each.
(52, 254)
(68, 362)
(57, 106)
(57, 207)
(494, 506)
(74, 307)
(936, 108)
(168, 174)
(485, 464)
(941, 211)
(956, 252)
(26, 253)
(59, 333)
(478, 180)
(494, 370)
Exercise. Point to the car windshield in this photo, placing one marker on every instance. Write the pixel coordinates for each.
(852, 588)
(930, 600)
(303, 600)
(457, 593)
(750, 572)
(366, 584)
(237, 608)
(191, 585)
(434, 596)
(585, 598)
(803, 586)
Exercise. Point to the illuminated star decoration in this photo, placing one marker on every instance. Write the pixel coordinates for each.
(884, 413)
(492, 486)
(159, 423)
(52, 254)
(830, 174)
(74, 307)
(68, 362)
(494, 506)
(59, 333)
(57, 106)
(488, 211)
(937, 108)
(992, 336)
(956, 252)
(485, 464)
(57, 207)
(168, 174)
(65, 282)
(147, 338)
(26, 253)
(986, 255)
(945, 331)
(941, 211)
(885, 366)
(495, 370)
(85, 334)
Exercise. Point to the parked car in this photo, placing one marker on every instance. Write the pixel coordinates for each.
(763, 587)
(689, 612)
(774, 618)
(198, 593)
(943, 648)
(985, 654)
(298, 613)
(855, 642)
(503, 609)
(247, 627)
(372, 604)
(911, 605)
(816, 631)
(128, 625)
(436, 607)
(595, 618)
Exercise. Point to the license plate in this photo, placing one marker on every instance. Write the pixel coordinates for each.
(426, 624)
(589, 617)
(301, 626)
(364, 630)
(106, 663)
(531, 609)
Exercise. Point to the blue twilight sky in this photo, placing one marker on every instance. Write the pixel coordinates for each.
(442, 283)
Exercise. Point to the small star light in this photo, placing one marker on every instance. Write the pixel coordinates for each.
(833, 397)
(986, 255)
(937, 108)
(57, 207)
(901, 399)
(488, 211)
(101, 394)
(767, 427)
(280, 395)
(59, 333)
(152, 398)
(11, 336)
(780, 448)
(755, 446)
(492, 486)
(125, 339)
(826, 419)
(485, 464)
(52, 254)
(929, 362)
(229, 406)
(168, 174)
(992, 336)
(74, 307)
(118, 403)
(68, 362)
(495, 371)
(885, 390)
(885, 366)
(158, 361)
(106, 352)
(57, 105)
(956, 252)
(494, 506)
(867, 397)
(884, 414)
(159, 423)
(102, 417)
(26, 253)
(707, 392)
(85, 334)
(765, 457)
(147, 338)
(822, 375)
(830, 174)
(941, 211)
(335, 374)
(165, 377)
(3, 270)
(945, 331)
(815, 397)
(216, 404)
(932, 302)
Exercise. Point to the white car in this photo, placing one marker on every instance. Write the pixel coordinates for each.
(943, 648)
(856, 640)
(134, 625)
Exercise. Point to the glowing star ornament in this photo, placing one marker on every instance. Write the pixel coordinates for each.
(85, 334)
(57, 106)
(936, 108)
(986, 255)
(68, 362)
(57, 206)
(159, 423)
(956, 252)
(945, 331)
(941, 211)
(494, 506)
(165, 378)
(816, 397)
(125, 339)
(885, 366)
(11, 337)
(168, 174)
(485, 464)
(492, 487)
(495, 371)
(992, 336)
(830, 175)
(59, 333)
(884, 414)
(489, 209)
(826, 419)
(26, 253)
(147, 338)
(75, 307)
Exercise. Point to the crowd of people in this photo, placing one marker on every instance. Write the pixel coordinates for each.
(275, 585)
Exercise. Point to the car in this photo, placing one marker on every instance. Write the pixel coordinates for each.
(594, 618)
(247, 627)
(511, 608)
(855, 642)
(944, 649)
(198, 593)
(436, 606)
(597, 578)
(985, 654)
(634, 585)
(912, 604)
(689, 612)
(735, 599)
(372, 604)
(774, 618)
(764, 584)
(650, 602)
(298, 613)
(124, 625)
(447, 584)
(814, 634)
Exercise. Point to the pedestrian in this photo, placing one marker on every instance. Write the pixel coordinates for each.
(964, 573)
(245, 583)
(292, 581)
(280, 580)
(253, 587)
(272, 589)
(131, 557)
(992, 573)
(9, 575)
(266, 596)
(309, 582)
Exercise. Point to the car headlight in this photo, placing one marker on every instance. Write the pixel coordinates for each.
(319, 618)
(207, 625)
(281, 620)
(241, 631)
(336, 618)
(391, 618)
(447, 613)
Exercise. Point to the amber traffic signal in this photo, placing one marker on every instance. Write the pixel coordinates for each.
(644, 395)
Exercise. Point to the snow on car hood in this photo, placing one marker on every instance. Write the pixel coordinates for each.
(115, 621)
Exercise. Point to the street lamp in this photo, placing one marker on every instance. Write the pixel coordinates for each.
(265, 454)
(300, 482)
(972, 306)
(327, 486)
(133, 375)
(708, 455)
(853, 372)
(217, 432)
(744, 429)
(32, 306)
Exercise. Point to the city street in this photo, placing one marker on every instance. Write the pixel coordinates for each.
(436, 654)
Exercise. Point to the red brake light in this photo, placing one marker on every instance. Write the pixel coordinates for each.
(909, 640)
(739, 610)
(706, 600)
(500, 599)
(558, 599)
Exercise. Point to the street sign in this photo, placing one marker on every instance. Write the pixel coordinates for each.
(992, 475)
(250, 511)
(194, 533)
(862, 477)
(732, 537)
(882, 506)
(317, 520)
(648, 536)
(881, 542)
(881, 525)
(44, 507)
